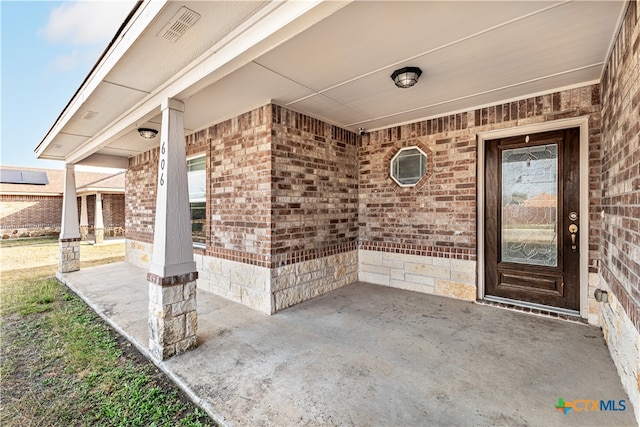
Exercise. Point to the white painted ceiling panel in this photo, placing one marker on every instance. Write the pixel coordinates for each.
(451, 106)
(155, 60)
(120, 152)
(330, 110)
(486, 63)
(248, 87)
(65, 144)
(366, 36)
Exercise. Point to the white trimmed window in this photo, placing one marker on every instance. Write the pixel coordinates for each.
(196, 174)
(408, 166)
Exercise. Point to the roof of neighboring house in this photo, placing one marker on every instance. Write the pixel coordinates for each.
(109, 184)
(85, 182)
(541, 200)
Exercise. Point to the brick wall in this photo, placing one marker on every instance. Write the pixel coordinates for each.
(314, 188)
(283, 188)
(91, 210)
(113, 213)
(238, 182)
(621, 167)
(239, 175)
(29, 216)
(437, 218)
(140, 196)
(620, 230)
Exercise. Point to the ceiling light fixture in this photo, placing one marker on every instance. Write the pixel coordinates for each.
(406, 77)
(147, 133)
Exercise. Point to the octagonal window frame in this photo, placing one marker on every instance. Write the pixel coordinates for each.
(425, 165)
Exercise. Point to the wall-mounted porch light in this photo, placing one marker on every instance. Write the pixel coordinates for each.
(406, 77)
(147, 133)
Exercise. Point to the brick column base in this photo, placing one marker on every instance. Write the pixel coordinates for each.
(99, 235)
(84, 232)
(69, 256)
(173, 319)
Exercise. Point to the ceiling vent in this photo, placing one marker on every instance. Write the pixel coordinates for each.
(89, 115)
(179, 24)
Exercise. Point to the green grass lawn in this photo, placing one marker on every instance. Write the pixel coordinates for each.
(61, 365)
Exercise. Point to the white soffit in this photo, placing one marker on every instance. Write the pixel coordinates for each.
(248, 87)
(279, 21)
(367, 36)
(335, 63)
(103, 107)
(155, 60)
(63, 145)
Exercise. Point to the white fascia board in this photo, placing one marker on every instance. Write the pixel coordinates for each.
(103, 190)
(273, 25)
(106, 160)
(145, 14)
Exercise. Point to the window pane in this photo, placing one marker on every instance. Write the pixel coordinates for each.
(196, 174)
(530, 205)
(409, 166)
(198, 222)
(196, 171)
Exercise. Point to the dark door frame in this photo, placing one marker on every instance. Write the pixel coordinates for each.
(482, 137)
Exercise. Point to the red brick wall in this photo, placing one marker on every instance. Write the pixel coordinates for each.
(282, 188)
(239, 175)
(314, 188)
(91, 210)
(621, 167)
(140, 196)
(23, 216)
(113, 215)
(438, 217)
(238, 181)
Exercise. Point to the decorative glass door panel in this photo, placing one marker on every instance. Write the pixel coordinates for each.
(531, 211)
(529, 233)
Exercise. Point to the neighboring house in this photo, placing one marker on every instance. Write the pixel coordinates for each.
(304, 168)
(542, 200)
(31, 202)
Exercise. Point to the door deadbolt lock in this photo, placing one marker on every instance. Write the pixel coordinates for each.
(573, 216)
(573, 231)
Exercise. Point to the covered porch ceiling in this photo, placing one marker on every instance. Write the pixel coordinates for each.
(330, 60)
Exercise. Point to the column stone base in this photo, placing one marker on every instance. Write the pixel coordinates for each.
(99, 235)
(84, 232)
(69, 256)
(173, 319)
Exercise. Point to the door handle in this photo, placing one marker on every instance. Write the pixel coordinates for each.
(573, 231)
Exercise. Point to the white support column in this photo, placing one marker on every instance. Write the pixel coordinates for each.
(84, 218)
(172, 274)
(98, 223)
(69, 258)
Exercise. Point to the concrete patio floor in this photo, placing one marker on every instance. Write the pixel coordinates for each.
(368, 355)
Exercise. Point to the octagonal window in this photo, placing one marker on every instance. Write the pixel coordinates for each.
(408, 166)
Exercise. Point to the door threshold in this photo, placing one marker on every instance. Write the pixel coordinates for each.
(533, 308)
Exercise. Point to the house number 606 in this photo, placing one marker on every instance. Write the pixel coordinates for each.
(162, 151)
